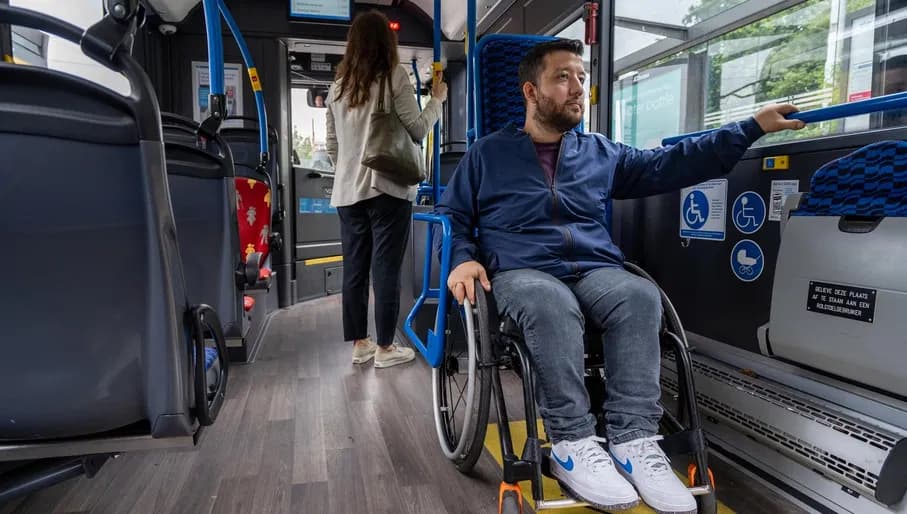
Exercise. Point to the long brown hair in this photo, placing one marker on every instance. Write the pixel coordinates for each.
(371, 51)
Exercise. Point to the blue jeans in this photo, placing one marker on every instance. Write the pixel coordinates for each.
(552, 315)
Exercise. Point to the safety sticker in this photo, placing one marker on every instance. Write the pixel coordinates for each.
(702, 210)
(748, 212)
(747, 260)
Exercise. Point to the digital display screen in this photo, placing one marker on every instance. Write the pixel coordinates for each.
(321, 9)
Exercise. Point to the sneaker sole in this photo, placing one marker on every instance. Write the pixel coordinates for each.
(362, 360)
(597, 506)
(657, 510)
(569, 491)
(387, 364)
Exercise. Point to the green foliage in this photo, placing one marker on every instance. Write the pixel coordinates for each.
(302, 145)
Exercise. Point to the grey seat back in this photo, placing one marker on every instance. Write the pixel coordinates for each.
(204, 208)
(95, 334)
(840, 291)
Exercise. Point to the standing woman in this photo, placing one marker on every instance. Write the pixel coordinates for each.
(374, 211)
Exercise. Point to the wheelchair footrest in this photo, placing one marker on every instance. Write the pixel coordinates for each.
(517, 470)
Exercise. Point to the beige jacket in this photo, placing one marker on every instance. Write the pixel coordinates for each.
(347, 130)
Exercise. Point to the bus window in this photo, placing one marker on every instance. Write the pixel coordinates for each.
(309, 130)
(32, 47)
(816, 54)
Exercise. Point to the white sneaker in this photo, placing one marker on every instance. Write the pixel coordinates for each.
(645, 464)
(586, 472)
(397, 355)
(364, 353)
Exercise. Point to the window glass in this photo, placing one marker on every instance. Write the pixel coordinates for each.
(816, 54)
(309, 132)
(36, 48)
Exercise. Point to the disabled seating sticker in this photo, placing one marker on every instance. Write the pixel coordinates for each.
(702, 210)
(856, 303)
(748, 212)
(316, 206)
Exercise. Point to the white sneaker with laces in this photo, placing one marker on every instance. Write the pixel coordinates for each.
(647, 467)
(585, 471)
(397, 355)
(363, 353)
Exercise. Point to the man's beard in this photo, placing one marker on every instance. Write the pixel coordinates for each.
(557, 117)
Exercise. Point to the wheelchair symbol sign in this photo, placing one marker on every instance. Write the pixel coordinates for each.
(695, 209)
(703, 210)
(748, 212)
(747, 260)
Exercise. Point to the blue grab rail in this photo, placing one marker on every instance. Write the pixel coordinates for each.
(433, 349)
(881, 103)
(253, 78)
(215, 47)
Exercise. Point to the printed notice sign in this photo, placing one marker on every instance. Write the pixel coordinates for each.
(321, 9)
(849, 302)
(781, 189)
(702, 210)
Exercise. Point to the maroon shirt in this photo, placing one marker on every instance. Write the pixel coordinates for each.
(547, 153)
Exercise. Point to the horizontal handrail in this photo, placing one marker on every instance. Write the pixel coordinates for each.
(880, 103)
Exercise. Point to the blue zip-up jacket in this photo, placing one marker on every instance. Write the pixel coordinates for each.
(500, 191)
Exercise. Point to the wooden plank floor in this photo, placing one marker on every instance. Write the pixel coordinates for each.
(304, 430)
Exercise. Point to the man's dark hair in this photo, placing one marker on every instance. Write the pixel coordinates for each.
(532, 63)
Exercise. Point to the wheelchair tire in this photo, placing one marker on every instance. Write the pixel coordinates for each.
(707, 504)
(463, 444)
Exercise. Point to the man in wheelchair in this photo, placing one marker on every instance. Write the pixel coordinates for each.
(528, 206)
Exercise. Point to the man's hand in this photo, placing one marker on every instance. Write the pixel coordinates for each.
(771, 118)
(462, 279)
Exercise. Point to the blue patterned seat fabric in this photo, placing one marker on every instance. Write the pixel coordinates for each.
(871, 181)
(500, 96)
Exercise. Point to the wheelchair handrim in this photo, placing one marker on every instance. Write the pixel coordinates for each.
(470, 391)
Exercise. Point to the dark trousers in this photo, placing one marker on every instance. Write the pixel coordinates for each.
(374, 234)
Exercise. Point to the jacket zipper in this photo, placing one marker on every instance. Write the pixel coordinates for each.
(568, 237)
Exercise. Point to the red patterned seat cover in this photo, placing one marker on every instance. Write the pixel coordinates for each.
(253, 210)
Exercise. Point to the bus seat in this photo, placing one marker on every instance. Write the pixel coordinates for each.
(203, 198)
(840, 291)
(254, 201)
(98, 333)
(499, 96)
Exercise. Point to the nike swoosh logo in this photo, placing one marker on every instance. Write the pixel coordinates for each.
(628, 466)
(566, 464)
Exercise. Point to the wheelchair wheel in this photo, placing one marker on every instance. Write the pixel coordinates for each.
(461, 388)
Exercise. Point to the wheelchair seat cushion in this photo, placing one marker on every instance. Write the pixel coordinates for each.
(871, 181)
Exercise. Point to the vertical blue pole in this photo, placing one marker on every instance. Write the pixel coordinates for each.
(437, 75)
(470, 71)
(215, 47)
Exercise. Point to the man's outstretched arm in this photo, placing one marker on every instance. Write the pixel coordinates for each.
(694, 160)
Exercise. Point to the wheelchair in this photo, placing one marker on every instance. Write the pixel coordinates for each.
(486, 345)
(470, 346)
